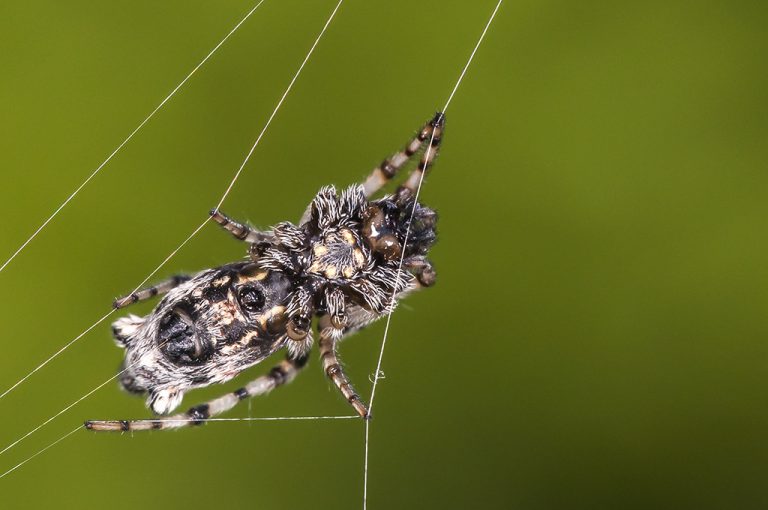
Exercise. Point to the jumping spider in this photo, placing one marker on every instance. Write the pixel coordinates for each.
(341, 264)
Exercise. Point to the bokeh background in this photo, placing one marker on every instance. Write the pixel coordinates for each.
(598, 336)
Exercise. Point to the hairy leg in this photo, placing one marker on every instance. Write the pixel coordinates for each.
(388, 168)
(428, 158)
(239, 230)
(279, 375)
(155, 290)
(329, 336)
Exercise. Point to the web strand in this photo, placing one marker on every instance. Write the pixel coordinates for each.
(67, 408)
(121, 145)
(377, 373)
(189, 237)
(55, 354)
(59, 440)
(105, 316)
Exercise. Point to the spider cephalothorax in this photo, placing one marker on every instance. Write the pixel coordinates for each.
(346, 253)
(346, 262)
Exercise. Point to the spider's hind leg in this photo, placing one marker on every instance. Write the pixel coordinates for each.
(283, 373)
(239, 230)
(388, 168)
(148, 292)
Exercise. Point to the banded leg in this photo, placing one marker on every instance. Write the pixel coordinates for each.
(428, 158)
(237, 229)
(141, 295)
(388, 168)
(329, 335)
(279, 375)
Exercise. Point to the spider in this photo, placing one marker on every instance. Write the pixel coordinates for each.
(341, 265)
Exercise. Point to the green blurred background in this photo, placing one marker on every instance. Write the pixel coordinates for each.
(597, 337)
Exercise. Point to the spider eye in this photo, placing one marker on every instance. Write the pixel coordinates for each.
(251, 299)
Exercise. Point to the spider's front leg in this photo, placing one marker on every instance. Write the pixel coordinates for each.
(342, 320)
(429, 156)
(388, 168)
(329, 336)
(420, 267)
(283, 373)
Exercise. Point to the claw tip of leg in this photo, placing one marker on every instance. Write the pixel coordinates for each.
(438, 120)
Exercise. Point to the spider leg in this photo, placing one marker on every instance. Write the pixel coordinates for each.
(428, 158)
(239, 230)
(388, 168)
(420, 267)
(336, 326)
(146, 293)
(283, 373)
(329, 336)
